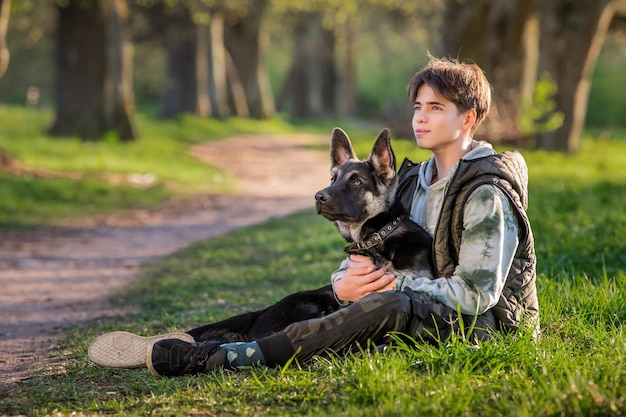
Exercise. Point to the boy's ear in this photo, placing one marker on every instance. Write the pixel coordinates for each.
(469, 119)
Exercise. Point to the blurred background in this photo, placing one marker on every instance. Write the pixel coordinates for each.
(556, 67)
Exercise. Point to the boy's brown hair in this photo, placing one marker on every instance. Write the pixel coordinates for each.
(464, 84)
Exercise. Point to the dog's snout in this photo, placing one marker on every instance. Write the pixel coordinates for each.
(321, 197)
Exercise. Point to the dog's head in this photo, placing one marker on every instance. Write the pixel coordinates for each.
(359, 190)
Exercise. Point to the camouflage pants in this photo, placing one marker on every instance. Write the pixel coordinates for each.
(370, 321)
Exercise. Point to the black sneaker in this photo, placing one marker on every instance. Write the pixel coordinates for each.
(174, 357)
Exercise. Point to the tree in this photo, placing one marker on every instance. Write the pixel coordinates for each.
(5, 8)
(246, 41)
(201, 75)
(218, 82)
(186, 80)
(322, 78)
(572, 34)
(516, 42)
(500, 37)
(211, 64)
(94, 95)
(312, 80)
(192, 33)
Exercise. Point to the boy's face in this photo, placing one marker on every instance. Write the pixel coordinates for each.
(437, 123)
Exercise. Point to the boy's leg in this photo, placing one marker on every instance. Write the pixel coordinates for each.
(434, 322)
(369, 320)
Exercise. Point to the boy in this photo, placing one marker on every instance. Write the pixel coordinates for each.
(469, 198)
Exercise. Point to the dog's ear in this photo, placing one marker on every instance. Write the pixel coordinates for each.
(340, 148)
(382, 157)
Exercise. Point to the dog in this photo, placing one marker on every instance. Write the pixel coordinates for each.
(361, 202)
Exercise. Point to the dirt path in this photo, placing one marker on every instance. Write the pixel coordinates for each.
(55, 278)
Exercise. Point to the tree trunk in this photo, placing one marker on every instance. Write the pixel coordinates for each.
(312, 82)
(236, 91)
(182, 90)
(94, 94)
(187, 85)
(246, 41)
(119, 100)
(350, 99)
(5, 9)
(203, 41)
(572, 34)
(498, 37)
(218, 85)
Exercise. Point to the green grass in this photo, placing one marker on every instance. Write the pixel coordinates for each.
(578, 368)
(162, 152)
(577, 208)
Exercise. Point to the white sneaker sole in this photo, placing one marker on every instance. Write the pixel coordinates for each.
(125, 349)
(149, 361)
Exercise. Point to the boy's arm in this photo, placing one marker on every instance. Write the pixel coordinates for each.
(357, 277)
(488, 245)
(336, 276)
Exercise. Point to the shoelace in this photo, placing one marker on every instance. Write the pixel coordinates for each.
(196, 356)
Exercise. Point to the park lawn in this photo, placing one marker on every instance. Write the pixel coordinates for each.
(50, 192)
(578, 368)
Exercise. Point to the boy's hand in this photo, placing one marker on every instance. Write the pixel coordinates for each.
(363, 278)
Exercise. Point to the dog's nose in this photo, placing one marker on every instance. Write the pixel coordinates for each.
(321, 197)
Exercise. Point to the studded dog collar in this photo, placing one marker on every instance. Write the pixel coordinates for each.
(377, 237)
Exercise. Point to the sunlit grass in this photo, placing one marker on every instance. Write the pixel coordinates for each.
(49, 191)
(578, 367)
(162, 149)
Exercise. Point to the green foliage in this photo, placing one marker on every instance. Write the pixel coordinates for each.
(539, 115)
(577, 368)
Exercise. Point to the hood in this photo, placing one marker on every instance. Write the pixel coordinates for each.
(479, 149)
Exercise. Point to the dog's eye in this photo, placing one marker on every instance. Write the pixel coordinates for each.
(357, 182)
(333, 179)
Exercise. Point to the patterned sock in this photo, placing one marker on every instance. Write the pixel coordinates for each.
(242, 354)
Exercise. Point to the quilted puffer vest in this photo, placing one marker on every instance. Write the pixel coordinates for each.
(518, 302)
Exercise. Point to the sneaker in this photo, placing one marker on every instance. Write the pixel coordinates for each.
(173, 357)
(126, 350)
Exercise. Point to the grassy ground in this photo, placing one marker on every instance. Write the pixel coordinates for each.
(47, 194)
(578, 367)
